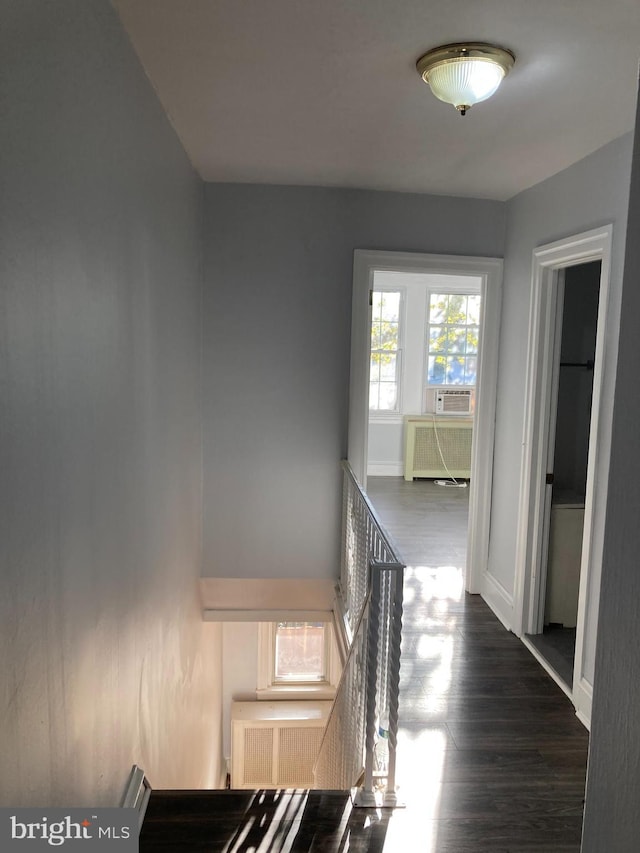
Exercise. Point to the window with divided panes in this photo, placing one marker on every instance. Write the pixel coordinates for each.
(453, 330)
(386, 351)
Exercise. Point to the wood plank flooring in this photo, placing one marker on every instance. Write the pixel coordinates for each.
(558, 645)
(491, 757)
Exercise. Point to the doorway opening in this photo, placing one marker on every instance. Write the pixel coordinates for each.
(425, 346)
(566, 480)
(452, 359)
(548, 392)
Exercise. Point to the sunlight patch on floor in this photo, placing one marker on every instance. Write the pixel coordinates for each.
(433, 583)
(421, 757)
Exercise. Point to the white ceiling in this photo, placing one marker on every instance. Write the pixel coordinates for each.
(325, 92)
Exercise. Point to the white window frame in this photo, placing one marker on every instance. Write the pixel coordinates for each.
(393, 414)
(269, 688)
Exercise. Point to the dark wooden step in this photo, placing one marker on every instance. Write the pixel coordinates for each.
(268, 820)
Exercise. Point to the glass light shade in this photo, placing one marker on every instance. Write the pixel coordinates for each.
(466, 73)
(465, 82)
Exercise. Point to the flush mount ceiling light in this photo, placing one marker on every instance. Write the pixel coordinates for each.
(465, 74)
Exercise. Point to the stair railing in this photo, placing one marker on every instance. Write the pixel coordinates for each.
(359, 745)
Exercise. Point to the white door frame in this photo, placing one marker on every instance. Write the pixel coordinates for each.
(489, 270)
(548, 263)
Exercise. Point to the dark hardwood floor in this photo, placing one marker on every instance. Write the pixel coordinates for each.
(558, 645)
(491, 758)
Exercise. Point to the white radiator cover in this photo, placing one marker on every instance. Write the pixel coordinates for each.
(276, 744)
(421, 453)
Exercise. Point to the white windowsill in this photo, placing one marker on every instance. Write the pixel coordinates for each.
(297, 691)
(395, 418)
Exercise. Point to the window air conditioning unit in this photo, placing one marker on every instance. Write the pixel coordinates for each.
(454, 401)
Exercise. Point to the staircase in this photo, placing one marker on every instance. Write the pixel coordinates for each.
(286, 820)
(276, 821)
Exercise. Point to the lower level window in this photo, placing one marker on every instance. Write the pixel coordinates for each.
(300, 652)
(297, 660)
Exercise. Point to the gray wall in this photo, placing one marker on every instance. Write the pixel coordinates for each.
(277, 314)
(612, 817)
(103, 655)
(588, 194)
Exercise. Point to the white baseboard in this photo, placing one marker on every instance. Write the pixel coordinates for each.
(385, 469)
(498, 599)
(583, 699)
(586, 722)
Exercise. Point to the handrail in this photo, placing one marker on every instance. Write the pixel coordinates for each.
(371, 592)
(362, 531)
(382, 531)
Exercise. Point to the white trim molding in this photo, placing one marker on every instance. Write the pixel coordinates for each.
(237, 595)
(385, 469)
(548, 263)
(498, 599)
(489, 270)
(276, 615)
